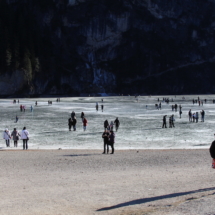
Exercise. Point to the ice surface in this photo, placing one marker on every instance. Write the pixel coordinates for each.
(140, 127)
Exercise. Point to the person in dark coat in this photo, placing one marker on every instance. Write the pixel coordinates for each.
(73, 114)
(106, 124)
(117, 123)
(74, 121)
(212, 149)
(82, 116)
(164, 121)
(112, 140)
(70, 122)
(172, 120)
(105, 137)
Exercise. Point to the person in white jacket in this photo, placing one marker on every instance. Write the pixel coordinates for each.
(25, 138)
(7, 136)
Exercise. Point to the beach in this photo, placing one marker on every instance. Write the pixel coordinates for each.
(59, 182)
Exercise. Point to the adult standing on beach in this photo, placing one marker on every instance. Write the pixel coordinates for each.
(7, 136)
(25, 138)
(84, 124)
(105, 137)
(112, 140)
(102, 107)
(15, 134)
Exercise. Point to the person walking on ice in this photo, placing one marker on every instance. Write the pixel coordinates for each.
(7, 137)
(164, 121)
(202, 115)
(117, 123)
(97, 106)
(84, 124)
(70, 123)
(74, 121)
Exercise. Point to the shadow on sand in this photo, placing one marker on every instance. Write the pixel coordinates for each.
(81, 155)
(141, 201)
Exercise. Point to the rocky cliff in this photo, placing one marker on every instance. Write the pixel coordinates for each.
(72, 47)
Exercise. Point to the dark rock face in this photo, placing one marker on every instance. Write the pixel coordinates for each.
(121, 46)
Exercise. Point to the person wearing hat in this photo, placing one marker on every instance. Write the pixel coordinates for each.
(15, 134)
(7, 136)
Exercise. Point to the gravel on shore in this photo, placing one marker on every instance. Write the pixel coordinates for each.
(54, 182)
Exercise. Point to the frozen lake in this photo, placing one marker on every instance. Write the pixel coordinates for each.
(140, 127)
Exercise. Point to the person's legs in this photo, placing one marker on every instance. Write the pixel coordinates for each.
(26, 144)
(112, 147)
(104, 148)
(7, 143)
(23, 144)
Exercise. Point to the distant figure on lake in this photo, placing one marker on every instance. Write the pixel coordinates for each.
(73, 114)
(74, 121)
(106, 124)
(84, 124)
(164, 121)
(82, 116)
(70, 123)
(117, 123)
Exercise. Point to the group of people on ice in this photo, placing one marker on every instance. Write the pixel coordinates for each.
(72, 121)
(194, 117)
(171, 121)
(15, 136)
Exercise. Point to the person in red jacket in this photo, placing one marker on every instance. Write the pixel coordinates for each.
(84, 124)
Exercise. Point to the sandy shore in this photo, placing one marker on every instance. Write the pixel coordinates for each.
(54, 182)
